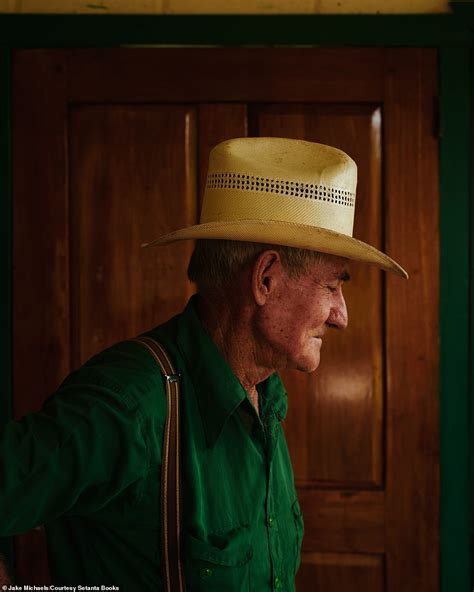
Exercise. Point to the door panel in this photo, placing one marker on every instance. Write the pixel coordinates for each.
(118, 156)
(137, 171)
(347, 573)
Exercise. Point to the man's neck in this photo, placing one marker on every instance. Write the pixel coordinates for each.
(229, 326)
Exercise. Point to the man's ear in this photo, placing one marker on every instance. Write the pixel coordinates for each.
(266, 274)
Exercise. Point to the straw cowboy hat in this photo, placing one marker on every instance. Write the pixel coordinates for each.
(286, 192)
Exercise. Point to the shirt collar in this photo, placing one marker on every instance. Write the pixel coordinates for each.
(217, 389)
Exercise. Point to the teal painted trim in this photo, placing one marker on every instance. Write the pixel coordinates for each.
(454, 318)
(464, 8)
(6, 545)
(46, 30)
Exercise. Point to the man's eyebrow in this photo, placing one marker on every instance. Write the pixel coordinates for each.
(344, 276)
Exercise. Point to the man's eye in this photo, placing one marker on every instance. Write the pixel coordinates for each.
(332, 289)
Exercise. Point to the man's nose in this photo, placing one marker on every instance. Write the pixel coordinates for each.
(338, 317)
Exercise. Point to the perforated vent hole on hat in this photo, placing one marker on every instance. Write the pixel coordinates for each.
(228, 180)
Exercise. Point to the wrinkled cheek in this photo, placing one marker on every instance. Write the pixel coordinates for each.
(277, 333)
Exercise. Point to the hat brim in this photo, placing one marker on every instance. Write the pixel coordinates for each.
(300, 236)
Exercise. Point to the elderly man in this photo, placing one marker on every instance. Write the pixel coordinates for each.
(126, 503)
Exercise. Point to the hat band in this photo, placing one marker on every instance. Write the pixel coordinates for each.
(221, 204)
(232, 180)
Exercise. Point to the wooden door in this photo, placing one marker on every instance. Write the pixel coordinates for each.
(110, 149)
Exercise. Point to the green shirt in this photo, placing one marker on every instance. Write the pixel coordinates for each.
(87, 466)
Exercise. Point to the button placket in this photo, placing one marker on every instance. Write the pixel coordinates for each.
(272, 527)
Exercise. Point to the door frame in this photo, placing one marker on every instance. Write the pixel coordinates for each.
(453, 36)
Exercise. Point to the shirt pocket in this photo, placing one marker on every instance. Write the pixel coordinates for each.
(299, 527)
(222, 564)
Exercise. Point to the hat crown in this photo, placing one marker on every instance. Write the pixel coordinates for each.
(281, 179)
(295, 160)
(282, 192)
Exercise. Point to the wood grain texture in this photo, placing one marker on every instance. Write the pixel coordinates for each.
(133, 172)
(230, 74)
(342, 572)
(411, 214)
(343, 520)
(40, 228)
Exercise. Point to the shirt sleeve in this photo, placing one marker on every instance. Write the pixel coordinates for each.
(84, 448)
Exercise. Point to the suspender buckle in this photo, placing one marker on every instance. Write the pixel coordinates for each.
(172, 377)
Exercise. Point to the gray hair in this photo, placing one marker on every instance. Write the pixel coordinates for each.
(215, 263)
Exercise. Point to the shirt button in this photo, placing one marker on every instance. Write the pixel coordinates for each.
(277, 583)
(205, 573)
(271, 522)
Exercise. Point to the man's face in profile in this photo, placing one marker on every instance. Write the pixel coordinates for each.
(301, 311)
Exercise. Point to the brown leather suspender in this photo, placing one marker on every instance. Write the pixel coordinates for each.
(173, 580)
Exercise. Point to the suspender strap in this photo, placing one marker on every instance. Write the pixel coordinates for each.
(173, 580)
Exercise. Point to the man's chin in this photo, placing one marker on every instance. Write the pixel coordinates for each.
(309, 364)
